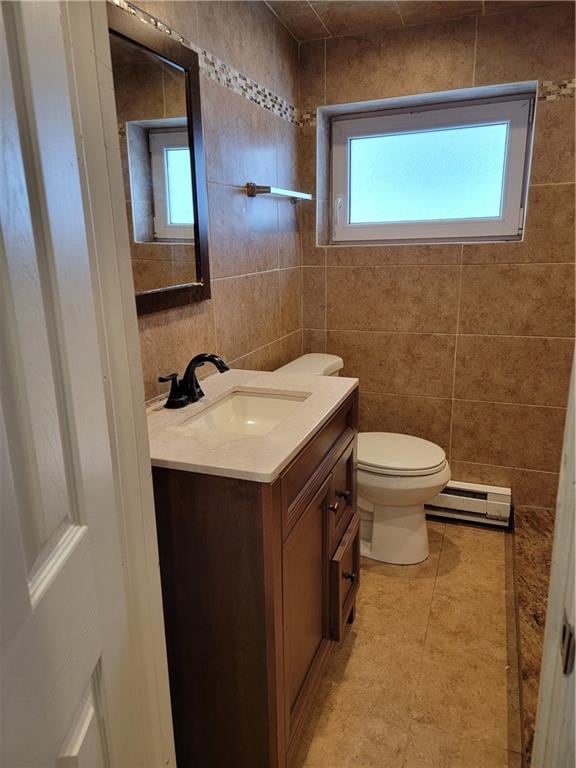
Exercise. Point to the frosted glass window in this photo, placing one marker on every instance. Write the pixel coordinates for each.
(455, 173)
(179, 181)
(172, 185)
(433, 168)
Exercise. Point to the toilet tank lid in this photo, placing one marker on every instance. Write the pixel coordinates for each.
(314, 363)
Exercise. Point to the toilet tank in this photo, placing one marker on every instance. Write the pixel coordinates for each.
(315, 364)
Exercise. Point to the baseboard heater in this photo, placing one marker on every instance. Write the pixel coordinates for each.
(473, 502)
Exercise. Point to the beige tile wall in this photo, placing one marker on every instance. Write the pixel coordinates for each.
(467, 346)
(254, 316)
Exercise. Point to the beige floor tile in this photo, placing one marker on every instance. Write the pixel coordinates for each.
(476, 543)
(472, 560)
(373, 569)
(376, 572)
(477, 627)
(433, 748)
(427, 676)
(469, 694)
(397, 609)
(371, 677)
(350, 743)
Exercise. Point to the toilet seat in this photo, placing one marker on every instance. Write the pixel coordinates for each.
(388, 453)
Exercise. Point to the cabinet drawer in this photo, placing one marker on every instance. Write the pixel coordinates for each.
(315, 460)
(342, 495)
(345, 576)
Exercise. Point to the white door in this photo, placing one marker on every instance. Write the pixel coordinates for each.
(69, 692)
(554, 736)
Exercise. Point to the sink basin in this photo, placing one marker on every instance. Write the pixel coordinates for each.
(247, 413)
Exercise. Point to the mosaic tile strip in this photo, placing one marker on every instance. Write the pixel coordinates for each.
(227, 76)
(553, 90)
(548, 90)
(222, 73)
(307, 118)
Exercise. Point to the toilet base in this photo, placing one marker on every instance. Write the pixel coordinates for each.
(399, 536)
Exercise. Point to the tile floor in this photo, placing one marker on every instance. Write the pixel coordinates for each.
(427, 676)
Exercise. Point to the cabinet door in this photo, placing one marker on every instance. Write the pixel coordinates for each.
(345, 576)
(343, 495)
(306, 607)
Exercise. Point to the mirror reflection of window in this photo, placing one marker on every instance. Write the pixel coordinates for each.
(152, 124)
(171, 184)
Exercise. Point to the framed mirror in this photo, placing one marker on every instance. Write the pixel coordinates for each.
(157, 92)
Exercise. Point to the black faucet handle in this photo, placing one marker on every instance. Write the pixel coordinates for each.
(177, 397)
(172, 377)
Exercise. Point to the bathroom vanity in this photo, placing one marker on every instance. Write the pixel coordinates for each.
(259, 555)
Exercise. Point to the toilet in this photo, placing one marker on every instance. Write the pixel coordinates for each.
(396, 475)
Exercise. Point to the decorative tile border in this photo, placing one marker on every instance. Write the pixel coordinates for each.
(553, 90)
(548, 90)
(308, 119)
(223, 73)
(235, 81)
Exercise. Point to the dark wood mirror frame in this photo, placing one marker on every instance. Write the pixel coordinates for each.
(128, 26)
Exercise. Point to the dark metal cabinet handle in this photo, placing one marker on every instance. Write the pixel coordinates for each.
(350, 576)
(344, 495)
(334, 507)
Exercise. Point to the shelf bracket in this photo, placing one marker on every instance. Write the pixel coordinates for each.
(253, 189)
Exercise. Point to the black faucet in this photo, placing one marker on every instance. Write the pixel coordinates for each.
(188, 389)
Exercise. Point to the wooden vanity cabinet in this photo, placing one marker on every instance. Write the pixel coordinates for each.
(256, 584)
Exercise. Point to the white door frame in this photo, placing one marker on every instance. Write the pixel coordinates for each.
(554, 736)
(74, 448)
(94, 110)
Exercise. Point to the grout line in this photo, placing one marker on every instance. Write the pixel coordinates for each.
(450, 333)
(329, 34)
(452, 264)
(325, 59)
(455, 356)
(554, 184)
(252, 274)
(437, 569)
(287, 28)
(533, 506)
(460, 400)
(325, 298)
(418, 678)
(504, 402)
(214, 323)
(446, 333)
(269, 344)
(505, 466)
(475, 49)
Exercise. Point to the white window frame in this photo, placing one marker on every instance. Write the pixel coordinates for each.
(159, 142)
(516, 111)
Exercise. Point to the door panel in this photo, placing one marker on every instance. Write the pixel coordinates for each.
(345, 577)
(64, 613)
(306, 620)
(343, 498)
(85, 744)
(41, 480)
(554, 739)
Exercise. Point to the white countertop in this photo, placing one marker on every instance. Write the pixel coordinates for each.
(260, 458)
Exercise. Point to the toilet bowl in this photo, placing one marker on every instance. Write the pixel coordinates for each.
(396, 475)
